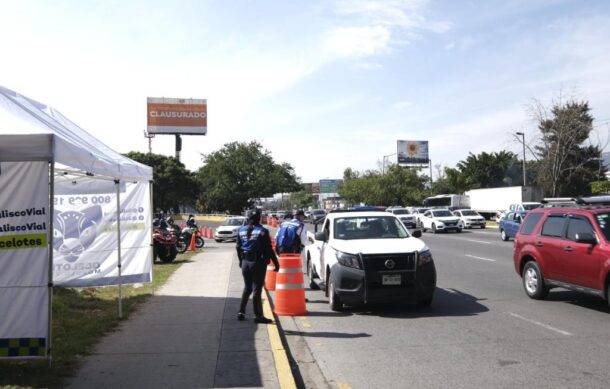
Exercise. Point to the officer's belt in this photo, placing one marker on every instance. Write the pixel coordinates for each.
(251, 255)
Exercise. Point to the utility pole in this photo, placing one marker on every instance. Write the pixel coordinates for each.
(523, 142)
(150, 138)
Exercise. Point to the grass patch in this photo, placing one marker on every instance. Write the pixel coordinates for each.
(80, 318)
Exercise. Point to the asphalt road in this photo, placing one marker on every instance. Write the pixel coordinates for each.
(481, 331)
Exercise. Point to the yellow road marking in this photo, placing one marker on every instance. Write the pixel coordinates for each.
(282, 366)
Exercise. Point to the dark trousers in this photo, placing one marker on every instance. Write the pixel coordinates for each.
(254, 280)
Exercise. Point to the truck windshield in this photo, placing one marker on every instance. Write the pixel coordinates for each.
(377, 227)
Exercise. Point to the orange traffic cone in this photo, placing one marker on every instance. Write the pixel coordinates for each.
(192, 245)
(211, 233)
(270, 277)
(205, 232)
(289, 287)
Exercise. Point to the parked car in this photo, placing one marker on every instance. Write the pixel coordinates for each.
(229, 228)
(417, 212)
(317, 214)
(470, 218)
(564, 247)
(408, 219)
(437, 220)
(369, 256)
(510, 224)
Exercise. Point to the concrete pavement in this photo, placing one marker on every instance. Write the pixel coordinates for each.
(187, 336)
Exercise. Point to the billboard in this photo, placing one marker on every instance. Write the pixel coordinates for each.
(412, 152)
(315, 188)
(177, 116)
(329, 186)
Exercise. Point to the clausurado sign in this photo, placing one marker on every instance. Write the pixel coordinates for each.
(177, 116)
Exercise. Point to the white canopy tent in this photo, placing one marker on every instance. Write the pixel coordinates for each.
(40, 149)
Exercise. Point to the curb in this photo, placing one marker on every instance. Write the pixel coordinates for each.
(282, 365)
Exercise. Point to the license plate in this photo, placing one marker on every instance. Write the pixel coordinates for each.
(390, 279)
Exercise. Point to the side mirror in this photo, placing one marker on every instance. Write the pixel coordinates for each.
(416, 233)
(585, 237)
(321, 236)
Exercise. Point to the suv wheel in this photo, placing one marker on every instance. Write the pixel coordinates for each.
(333, 298)
(425, 302)
(433, 228)
(533, 282)
(503, 235)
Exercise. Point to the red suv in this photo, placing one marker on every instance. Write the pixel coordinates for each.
(567, 247)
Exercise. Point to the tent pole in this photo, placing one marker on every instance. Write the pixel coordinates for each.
(118, 228)
(152, 216)
(50, 250)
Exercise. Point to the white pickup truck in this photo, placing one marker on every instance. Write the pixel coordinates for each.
(367, 257)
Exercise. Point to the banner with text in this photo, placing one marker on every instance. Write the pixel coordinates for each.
(85, 243)
(24, 259)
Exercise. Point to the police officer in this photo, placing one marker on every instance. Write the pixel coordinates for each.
(254, 252)
(301, 232)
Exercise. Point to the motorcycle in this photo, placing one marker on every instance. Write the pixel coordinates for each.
(164, 245)
(186, 236)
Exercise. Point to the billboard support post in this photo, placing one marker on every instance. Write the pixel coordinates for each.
(178, 146)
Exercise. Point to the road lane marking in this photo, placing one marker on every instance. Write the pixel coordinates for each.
(548, 327)
(450, 291)
(481, 258)
(478, 241)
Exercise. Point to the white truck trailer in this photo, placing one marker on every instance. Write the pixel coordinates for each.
(488, 201)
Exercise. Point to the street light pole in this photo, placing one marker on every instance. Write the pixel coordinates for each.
(383, 162)
(523, 142)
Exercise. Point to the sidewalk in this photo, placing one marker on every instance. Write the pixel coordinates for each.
(187, 335)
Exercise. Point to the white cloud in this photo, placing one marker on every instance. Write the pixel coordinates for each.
(357, 42)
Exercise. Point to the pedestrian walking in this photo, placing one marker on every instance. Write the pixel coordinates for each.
(254, 252)
(291, 237)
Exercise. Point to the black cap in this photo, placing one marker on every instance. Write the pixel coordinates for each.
(254, 215)
(299, 213)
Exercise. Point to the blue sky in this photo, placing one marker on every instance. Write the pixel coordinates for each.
(323, 85)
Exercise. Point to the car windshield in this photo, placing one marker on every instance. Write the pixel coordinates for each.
(400, 212)
(470, 213)
(233, 222)
(422, 210)
(373, 227)
(529, 207)
(318, 213)
(441, 213)
(603, 221)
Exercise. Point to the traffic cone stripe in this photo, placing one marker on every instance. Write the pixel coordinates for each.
(289, 286)
(293, 270)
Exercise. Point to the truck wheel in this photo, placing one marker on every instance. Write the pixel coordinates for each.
(533, 281)
(311, 276)
(333, 298)
(504, 236)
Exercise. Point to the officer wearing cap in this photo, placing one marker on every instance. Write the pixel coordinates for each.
(301, 232)
(254, 252)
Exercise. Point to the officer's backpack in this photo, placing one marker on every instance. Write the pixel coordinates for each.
(288, 238)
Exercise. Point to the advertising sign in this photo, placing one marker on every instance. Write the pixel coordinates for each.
(177, 116)
(413, 152)
(24, 259)
(329, 186)
(315, 188)
(86, 235)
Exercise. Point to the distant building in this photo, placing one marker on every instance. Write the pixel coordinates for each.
(606, 162)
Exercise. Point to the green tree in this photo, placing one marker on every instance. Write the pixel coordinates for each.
(567, 163)
(239, 173)
(174, 186)
(489, 170)
(399, 186)
(302, 199)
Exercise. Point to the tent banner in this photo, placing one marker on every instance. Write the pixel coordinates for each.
(24, 259)
(85, 241)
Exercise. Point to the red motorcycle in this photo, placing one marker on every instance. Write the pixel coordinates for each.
(164, 245)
